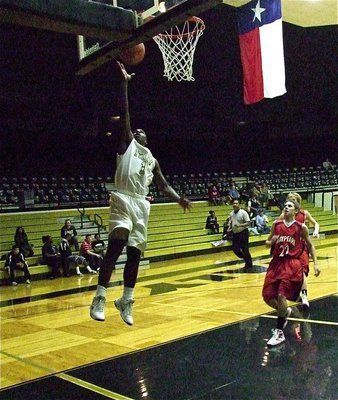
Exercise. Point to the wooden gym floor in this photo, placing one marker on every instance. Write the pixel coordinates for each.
(200, 332)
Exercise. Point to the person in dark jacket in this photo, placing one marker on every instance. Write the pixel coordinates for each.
(70, 229)
(15, 260)
(21, 241)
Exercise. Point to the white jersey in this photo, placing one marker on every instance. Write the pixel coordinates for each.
(239, 218)
(134, 170)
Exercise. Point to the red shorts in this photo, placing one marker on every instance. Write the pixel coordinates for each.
(285, 277)
(288, 289)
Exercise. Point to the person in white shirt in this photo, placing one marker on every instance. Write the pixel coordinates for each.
(129, 209)
(240, 222)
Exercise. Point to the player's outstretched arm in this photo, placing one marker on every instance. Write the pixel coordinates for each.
(126, 133)
(170, 192)
(309, 217)
(312, 250)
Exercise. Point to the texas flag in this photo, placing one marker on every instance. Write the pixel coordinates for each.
(261, 45)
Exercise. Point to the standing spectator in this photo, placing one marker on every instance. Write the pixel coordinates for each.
(129, 210)
(16, 261)
(69, 228)
(240, 222)
(21, 241)
(68, 258)
(211, 223)
(284, 277)
(51, 256)
(253, 205)
(86, 251)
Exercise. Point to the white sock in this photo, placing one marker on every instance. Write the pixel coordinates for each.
(88, 268)
(100, 291)
(128, 293)
(78, 270)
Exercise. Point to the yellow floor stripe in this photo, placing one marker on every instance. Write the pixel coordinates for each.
(93, 388)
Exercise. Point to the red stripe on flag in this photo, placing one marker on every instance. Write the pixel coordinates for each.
(252, 66)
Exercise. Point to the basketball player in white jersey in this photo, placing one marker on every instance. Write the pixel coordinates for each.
(129, 209)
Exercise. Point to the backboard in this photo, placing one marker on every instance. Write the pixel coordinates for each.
(153, 17)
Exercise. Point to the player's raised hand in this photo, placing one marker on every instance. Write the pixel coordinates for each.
(126, 77)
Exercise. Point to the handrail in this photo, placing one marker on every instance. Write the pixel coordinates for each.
(99, 225)
(82, 214)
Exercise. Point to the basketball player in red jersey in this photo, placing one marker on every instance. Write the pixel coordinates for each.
(304, 216)
(284, 277)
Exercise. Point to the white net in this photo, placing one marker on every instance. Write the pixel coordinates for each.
(178, 46)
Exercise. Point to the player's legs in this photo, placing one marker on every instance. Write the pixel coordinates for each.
(117, 240)
(125, 303)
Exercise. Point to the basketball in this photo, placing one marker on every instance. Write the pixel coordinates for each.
(133, 55)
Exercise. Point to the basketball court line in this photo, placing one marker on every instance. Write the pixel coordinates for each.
(66, 377)
(93, 388)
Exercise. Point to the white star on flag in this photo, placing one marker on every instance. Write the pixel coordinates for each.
(258, 11)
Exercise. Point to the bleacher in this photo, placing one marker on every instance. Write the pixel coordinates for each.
(69, 192)
(172, 233)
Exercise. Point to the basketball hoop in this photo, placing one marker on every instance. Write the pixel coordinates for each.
(177, 46)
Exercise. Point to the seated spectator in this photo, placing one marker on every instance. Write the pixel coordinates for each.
(252, 214)
(16, 261)
(69, 228)
(211, 223)
(21, 241)
(87, 252)
(278, 200)
(227, 230)
(67, 258)
(98, 245)
(214, 194)
(261, 225)
(233, 194)
(327, 165)
(51, 256)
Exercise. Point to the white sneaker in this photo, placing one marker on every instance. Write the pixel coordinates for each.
(305, 301)
(14, 283)
(28, 281)
(276, 338)
(79, 274)
(125, 308)
(97, 308)
(288, 313)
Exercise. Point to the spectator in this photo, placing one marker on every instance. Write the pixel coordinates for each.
(211, 223)
(15, 260)
(21, 241)
(261, 225)
(68, 258)
(253, 205)
(214, 194)
(69, 228)
(98, 245)
(227, 230)
(327, 165)
(51, 256)
(233, 193)
(88, 253)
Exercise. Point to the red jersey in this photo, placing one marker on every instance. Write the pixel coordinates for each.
(85, 246)
(300, 216)
(289, 243)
